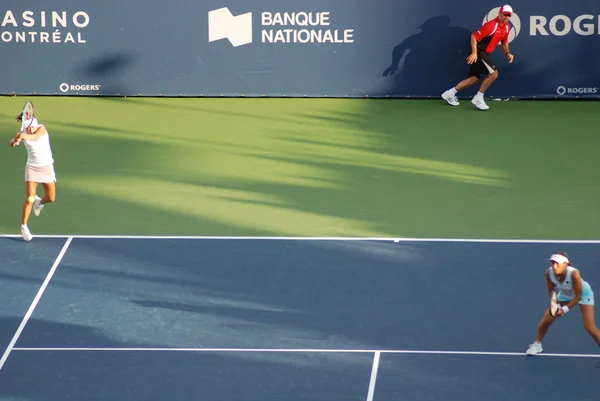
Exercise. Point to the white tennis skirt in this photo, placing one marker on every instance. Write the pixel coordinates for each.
(40, 174)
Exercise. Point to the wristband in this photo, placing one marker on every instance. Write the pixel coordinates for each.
(565, 309)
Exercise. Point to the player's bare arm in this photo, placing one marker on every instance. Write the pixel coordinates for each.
(509, 55)
(34, 134)
(549, 283)
(473, 56)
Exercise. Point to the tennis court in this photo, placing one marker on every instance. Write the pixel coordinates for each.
(238, 249)
(234, 318)
(312, 167)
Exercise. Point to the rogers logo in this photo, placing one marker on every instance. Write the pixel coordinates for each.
(561, 25)
(515, 21)
(65, 87)
(561, 90)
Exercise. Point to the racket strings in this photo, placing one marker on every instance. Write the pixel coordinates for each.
(28, 111)
(27, 115)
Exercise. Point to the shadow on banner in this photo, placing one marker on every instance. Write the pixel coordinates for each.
(110, 70)
(429, 61)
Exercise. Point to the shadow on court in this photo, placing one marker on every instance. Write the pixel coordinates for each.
(160, 375)
(122, 146)
(311, 167)
(23, 269)
(451, 181)
(309, 294)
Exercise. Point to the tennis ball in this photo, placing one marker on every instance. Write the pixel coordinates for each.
(31, 199)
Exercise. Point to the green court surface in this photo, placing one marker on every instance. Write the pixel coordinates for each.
(312, 167)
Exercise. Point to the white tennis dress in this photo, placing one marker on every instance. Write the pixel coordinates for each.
(40, 161)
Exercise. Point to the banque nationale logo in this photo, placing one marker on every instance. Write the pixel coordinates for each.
(224, 25)
(292, 27)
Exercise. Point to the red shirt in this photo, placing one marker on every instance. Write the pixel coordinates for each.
(490, 34)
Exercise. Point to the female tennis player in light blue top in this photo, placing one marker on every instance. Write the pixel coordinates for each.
(572, 290)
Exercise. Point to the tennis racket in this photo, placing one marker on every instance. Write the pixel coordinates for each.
(27, 116)
(554, 305)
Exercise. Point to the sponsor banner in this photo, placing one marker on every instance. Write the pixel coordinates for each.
(43, 25)
(314, 48)
(564, 90)
(70, 88)
(276, 27)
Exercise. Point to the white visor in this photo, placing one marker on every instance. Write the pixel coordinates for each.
(559, 258)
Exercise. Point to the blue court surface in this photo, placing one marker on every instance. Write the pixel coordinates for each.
(270, 319)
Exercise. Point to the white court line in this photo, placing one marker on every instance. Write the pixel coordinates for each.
(373, 376)
(11, 345)
(299, 350)
(299, 238)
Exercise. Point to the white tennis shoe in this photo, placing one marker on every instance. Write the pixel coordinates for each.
(479, 102)
(450, 98)
(37, 206)
(535, 348)
(26, 233)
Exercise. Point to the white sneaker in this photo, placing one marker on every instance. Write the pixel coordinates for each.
(450, 98)
(479, 102)
(26, 234)
(535, 348)
(37, 206)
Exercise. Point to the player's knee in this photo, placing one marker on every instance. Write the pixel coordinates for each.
(51, 198)
(494, 75)
(590, 328)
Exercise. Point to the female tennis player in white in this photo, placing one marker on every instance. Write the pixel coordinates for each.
(39, 168)
(572, 290)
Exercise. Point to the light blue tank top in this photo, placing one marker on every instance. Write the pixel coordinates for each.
(566, 287)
